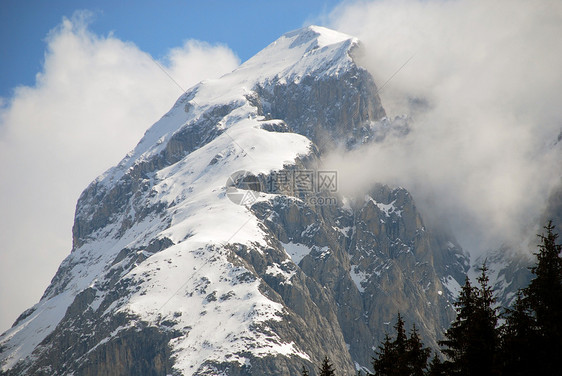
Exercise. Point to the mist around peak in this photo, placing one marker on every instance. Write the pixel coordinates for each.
(481, 85)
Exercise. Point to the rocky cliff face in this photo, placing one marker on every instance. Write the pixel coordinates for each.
(327, 114)
(376, 258)
(169, 274)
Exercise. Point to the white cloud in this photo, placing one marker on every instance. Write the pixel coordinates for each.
(90, 105)
(483, 88)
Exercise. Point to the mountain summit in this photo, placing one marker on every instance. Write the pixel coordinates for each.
(217, 247)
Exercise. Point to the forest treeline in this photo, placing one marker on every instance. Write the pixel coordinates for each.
(527, 342)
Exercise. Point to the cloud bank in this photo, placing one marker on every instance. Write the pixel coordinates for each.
(90, 105)
(483, 90)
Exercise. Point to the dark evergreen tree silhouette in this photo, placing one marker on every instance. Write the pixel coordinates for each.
(532, 339)
(385, 358)
(327, 368)
(436, 367)
(416, 354)
(472, 342)
(403, 356)
(520, 341)
(304, 371)
(544, 294)
(486, 334)
(456, 343)
(400, 348)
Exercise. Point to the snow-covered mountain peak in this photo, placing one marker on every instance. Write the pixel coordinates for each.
(314, 52)
(160, 249)
(302, 52)
(320, 35)
(165, 202)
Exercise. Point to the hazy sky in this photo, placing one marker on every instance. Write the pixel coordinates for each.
(79, 87)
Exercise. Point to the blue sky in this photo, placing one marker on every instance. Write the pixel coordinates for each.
(155, 27)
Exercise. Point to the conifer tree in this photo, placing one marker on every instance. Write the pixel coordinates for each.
(403, 356)
(472, 342)
(416, 354)
(304, 371)
(400, 348)
(532, 341)
(519, 342)
(327, 368)
(436, 367)
(485, 334)
(545, 290)
(385, 358)
(456, 344)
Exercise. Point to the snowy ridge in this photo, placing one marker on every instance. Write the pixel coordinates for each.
(201, 215)
(508, 270)
(452, 286)
(312, 51)
(387, 209)
(49, 311)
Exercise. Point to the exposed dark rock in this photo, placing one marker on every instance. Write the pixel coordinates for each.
(328, 111)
